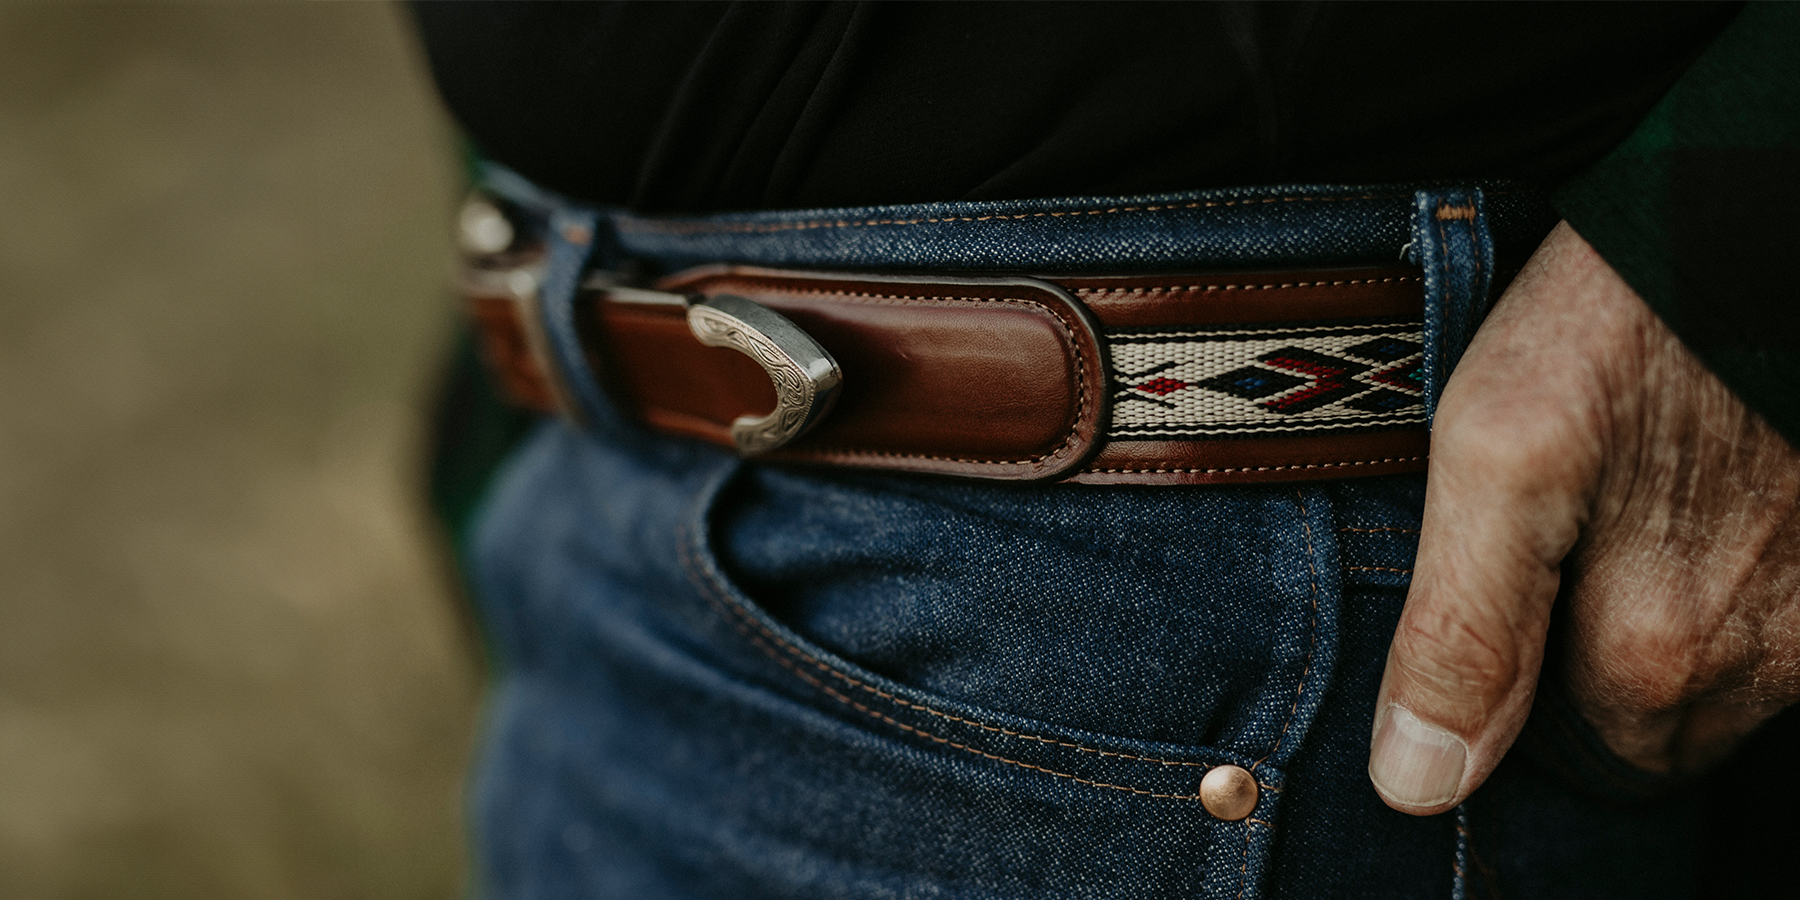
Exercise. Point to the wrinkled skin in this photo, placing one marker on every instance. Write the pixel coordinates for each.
(1582, 455)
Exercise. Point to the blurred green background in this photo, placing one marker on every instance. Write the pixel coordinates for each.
(230, 664)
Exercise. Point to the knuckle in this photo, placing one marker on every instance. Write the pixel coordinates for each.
(1645, 666)
(1503, 446)
(1451, 662)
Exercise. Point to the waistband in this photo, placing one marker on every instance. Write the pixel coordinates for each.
(1251, 334)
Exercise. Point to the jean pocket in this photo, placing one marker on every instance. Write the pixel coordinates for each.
(1120, 640)
(741, 681)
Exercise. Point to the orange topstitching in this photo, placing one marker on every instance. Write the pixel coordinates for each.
(1312, 630)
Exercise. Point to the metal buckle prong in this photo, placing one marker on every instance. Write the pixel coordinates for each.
(805, 376)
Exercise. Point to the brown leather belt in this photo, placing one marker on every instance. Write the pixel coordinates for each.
(1165, 379)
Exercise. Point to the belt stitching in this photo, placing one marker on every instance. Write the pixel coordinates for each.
(1248, 287)
(1330, 465)
(1228, 428)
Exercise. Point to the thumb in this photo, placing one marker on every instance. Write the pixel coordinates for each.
(1512, 460)
(1464, 663)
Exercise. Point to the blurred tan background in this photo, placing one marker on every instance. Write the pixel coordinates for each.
(230, 666)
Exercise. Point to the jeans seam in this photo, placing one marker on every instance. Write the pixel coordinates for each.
(1312, 630)
(635, 225)
(1244, 865)
(1475, 246)
(743, 623)
(1459, 883)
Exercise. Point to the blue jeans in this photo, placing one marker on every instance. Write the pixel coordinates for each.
(722, 679)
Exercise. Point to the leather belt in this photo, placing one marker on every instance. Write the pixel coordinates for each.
(1224, 377)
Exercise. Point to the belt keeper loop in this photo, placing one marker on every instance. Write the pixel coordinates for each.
(571, 241)
(1454, 248)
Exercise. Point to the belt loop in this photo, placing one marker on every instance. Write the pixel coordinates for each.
(572, 238)
(1452, 244)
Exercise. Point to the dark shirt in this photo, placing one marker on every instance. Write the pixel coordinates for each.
(686, 107)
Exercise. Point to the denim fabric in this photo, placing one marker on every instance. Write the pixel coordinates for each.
(724, 679)
(1284, 225)
(1454, 249)
(1315, 224)
(571, 240)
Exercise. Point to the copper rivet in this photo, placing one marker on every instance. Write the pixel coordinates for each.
(1228, 792)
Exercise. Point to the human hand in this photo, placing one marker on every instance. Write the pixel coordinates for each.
(1578, 440)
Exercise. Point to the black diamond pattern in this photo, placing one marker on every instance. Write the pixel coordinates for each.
(1384, 349)
(1382, 401)
(1250, 382)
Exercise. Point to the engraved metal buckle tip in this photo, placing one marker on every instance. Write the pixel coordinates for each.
(805, 376)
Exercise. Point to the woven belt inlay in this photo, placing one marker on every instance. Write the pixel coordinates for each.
(1267, 379)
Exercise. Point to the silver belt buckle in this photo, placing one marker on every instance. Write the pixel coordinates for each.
(805, 376)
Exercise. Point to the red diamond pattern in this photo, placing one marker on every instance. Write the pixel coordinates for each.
(1161, 387)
